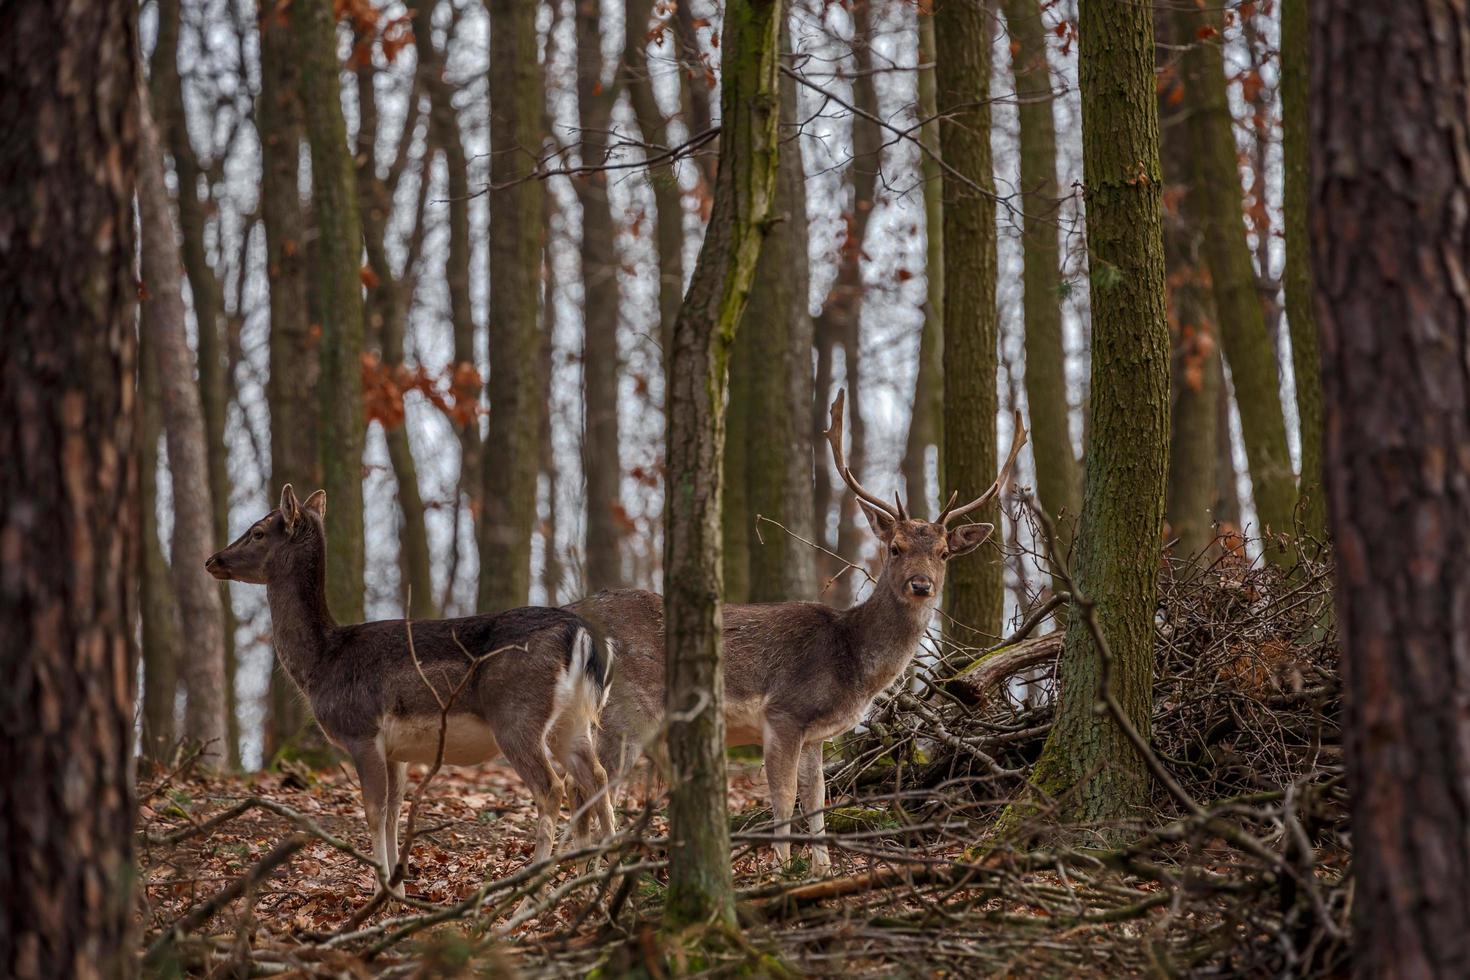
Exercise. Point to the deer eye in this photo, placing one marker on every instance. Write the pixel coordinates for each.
(257, 535)
(893, 550)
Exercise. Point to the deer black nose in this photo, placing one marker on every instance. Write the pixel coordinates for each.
(211, 562)
(921, 585)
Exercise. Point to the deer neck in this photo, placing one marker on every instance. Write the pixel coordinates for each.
(300, 619)
(886, 629)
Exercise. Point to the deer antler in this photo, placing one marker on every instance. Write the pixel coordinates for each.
(950, 512)
(834, 439)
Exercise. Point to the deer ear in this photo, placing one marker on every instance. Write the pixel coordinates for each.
(883, 524)
(967, 537)
(290, 509)
(317, 504)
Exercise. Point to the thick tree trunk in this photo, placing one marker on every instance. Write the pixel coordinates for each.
(200, 616)
(1389, 140)
(1058, 477)
(601, 312)
(339, 250)
(975, 593)
(511, 456)
(926, 421)
(294, 357)
(69, 527)
(1217, 208)
(699, 852)
(1087, 765)
(159, 610)
(1305, 362)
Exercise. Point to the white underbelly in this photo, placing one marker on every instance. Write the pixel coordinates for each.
(744, 722)
(467, 740)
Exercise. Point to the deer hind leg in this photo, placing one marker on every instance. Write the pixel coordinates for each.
(531, 761)
(372, 773)
(812, 788)
(782, 749)
(591, 789)
(397, 787)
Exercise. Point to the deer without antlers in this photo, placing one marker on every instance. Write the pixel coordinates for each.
(382, 693)
(796, 673)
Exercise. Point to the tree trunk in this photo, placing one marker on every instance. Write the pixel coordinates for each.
(975, 593)
(700, 889)
(200, 616)
(1087, 764)
(1389, 141)
(771, 473)
(1058, 477)
(1219, 212)
(600, 314)
(339, 247)
(925, 422)
(69, 523)
(511, 457)
(294, 365)
(159, 609)
(1295, 61)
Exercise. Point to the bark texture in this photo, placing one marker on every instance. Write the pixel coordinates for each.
(1218, 209)
(511, 456)
(1389, 138)
(200, 615)
(1087, 764)
(975, 591)
(699, 850)
(339, 267)
(158, 609)
(68, 489)
(1058, 476)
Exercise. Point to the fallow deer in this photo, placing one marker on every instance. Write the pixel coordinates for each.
(537, 698)
(796, 673)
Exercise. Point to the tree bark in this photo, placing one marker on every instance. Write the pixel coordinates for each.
(200, 616)
(1242, 323)
(511, 457)
(69, 522)
(926, 420)
(1297, 278)
(1058, 477)
(699, 854)
(159, 609)
(975, 592)
(1389, 140)
(1087, 765)
(601, 312)
(339, 247)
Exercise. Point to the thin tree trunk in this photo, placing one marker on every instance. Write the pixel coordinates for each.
(511, 456)
(1087, 765)
(1242, 322)
(926, 421)
(975, 593)
(160, 611)
(1227, 477)
(294, 358)
(1305, 362)
(339, 247)
(1389, 141)
(1058, 477)
(200, 616)
(700, 889)
(601, 313)
(68, 489)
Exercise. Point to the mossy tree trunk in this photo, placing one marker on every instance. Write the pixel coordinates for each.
(1087, 764)
(1221, 217)
(1388, 145)
(511, 455)
(1297, 278)
(1058, 476)
(975, 591)
(745, 188)
(68, 489)
(339, 268)
(926, 422)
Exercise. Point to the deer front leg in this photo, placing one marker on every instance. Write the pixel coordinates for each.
(812, 788)
(372, 773)
(782, 749)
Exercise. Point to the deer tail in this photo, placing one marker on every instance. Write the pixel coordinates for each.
(591, 667)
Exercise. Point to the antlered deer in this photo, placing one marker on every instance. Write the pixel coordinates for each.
(796, 673)
(536, 698)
